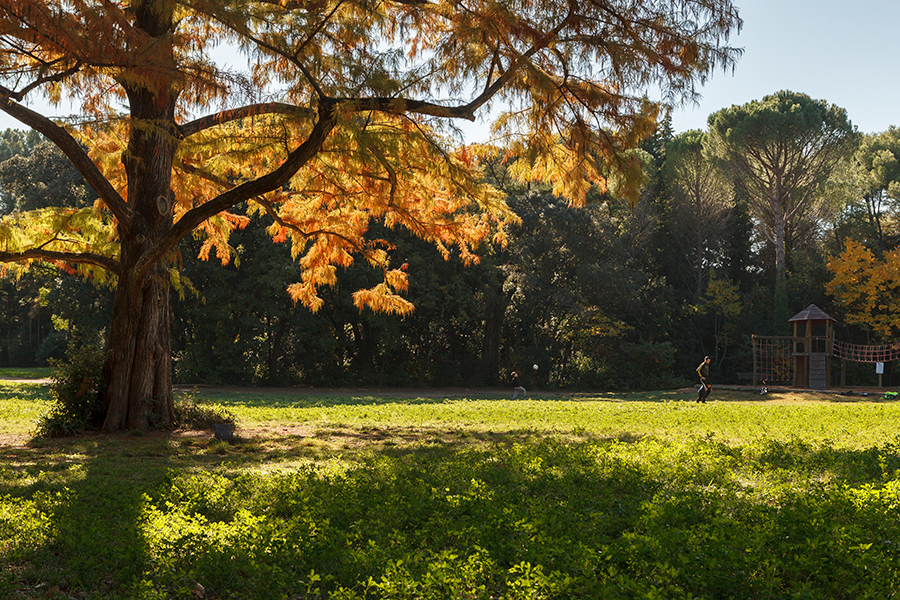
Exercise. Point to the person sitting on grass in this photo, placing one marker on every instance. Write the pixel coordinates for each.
(517, 387)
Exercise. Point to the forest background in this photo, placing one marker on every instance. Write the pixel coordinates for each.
(615, 295)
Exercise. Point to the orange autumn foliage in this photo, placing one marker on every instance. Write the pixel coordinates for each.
(868, 287)
(340, 118)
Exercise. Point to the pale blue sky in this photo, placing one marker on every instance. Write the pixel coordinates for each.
(842, 52)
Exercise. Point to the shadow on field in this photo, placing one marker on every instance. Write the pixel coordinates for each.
(444, 512)
(152, 516)
(87, 495)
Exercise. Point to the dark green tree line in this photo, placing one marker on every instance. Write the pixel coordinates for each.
(44, 308)
(615, 294)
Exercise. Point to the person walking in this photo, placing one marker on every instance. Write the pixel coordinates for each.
(705, 386)
(517, 387)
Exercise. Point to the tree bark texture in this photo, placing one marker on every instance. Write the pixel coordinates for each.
(139, 364)
(138, 371)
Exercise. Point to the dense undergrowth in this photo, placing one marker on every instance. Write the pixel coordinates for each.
(388, 509)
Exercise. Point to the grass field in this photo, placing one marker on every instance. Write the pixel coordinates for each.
(372, 496)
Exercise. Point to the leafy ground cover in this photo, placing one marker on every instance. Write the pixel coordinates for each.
(461, 496)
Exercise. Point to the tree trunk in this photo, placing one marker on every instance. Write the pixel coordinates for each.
(138, 371)
(780, 238)
(700, 249)
(781, 312)
(275, 350)
(495, 309)
(430, 343)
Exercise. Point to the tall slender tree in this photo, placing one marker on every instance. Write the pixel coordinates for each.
(782, 149)
(702, 199)
(338, 122)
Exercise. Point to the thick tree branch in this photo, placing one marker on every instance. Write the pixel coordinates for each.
(491, 90)
(246, 191)
(251, 110)
(270, 209)
(401, 106)
(111, 265)
(73, 151)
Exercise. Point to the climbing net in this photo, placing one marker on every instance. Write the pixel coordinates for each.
(866, 354)
(772, 358)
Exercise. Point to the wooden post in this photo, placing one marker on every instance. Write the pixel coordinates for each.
(753, 343)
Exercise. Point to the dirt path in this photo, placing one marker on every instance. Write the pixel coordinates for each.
(453, 392)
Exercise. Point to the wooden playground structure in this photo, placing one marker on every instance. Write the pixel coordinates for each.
(804, 359)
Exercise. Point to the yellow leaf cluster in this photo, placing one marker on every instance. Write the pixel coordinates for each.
(379, 168)
(722, 298)
(574, 160)
(868, 287)
(77, 233)
(382, 298)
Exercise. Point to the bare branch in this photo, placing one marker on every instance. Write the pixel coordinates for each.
(20, 94)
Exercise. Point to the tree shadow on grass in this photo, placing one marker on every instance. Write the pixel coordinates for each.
(89, 493)
(130, 515)
(823, 462)
(440, 512)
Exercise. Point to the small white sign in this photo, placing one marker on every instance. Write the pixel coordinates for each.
(879, 368)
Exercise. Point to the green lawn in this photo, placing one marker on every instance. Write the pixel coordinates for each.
(25, 372)
(350, 497)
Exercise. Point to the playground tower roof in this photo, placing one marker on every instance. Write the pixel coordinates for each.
(812, 313)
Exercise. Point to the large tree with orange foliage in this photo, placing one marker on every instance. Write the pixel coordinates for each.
(343, 116)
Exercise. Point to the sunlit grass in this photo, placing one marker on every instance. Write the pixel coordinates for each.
(348, 497)
(733, 417)
(21, 405)
(25, 372)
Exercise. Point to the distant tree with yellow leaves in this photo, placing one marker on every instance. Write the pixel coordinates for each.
(868, 287)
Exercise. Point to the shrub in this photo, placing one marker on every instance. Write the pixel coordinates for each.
(76, 393)
(53, 347)
(194, 413)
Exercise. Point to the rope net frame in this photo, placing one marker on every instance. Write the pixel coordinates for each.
(866, 354)
(773, 356)
(772, 361)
